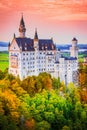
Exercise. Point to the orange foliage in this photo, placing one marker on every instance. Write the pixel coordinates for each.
(83, 94)
(30, 124)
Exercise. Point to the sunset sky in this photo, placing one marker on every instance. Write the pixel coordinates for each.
(60, 19)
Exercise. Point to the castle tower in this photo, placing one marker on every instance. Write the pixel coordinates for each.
(22, 28)
(36, 47)
(36, 35)
(74, 48)
(36, 40)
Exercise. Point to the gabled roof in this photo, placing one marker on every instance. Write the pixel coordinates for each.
(27, 44)
(46, 44)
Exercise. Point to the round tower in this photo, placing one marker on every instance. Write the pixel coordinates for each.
(74, 48)
(22, 28)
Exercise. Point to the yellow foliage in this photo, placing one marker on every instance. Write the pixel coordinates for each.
(15, 116)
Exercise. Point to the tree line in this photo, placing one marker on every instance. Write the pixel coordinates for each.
(42, 103)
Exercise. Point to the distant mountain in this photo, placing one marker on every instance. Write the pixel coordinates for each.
(67, 46)
(82, 46)
(3, 44)
(61, 47)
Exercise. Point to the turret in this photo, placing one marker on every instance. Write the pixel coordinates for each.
(14, 36)
(36, 35)
(36, 39)
(8, 46)
(74, 48)
(22, 28)
(74, 42)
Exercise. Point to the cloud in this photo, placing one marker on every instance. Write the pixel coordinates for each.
(52, 9)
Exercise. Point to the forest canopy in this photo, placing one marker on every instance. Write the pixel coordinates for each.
(42, 103)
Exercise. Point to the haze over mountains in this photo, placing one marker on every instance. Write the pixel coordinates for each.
(67, 46)
(3, 44)
(61, 47)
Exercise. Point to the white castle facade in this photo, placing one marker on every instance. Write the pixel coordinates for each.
(28, 57)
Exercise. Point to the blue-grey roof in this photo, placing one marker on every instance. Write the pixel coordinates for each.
(70, 58)
(49, 54)
(57, 62)
(27, 44)
(74, 39)
(46, 44)
(14, 55)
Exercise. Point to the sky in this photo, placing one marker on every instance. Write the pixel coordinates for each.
(58, 19)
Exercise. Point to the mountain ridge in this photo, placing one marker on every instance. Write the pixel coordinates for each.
(67, 46)
(59, 46)
(3, 44)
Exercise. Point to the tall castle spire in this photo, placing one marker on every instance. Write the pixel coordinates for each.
(36, 40)
(36, 35)
(22, 28)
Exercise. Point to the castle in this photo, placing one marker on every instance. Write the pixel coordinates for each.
(29, 57)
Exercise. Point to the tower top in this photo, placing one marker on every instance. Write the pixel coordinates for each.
(22, 21)
(9, 44)
(22, 28)
(36, 35)
(74, 48)
(74, 39)
(14, 35)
